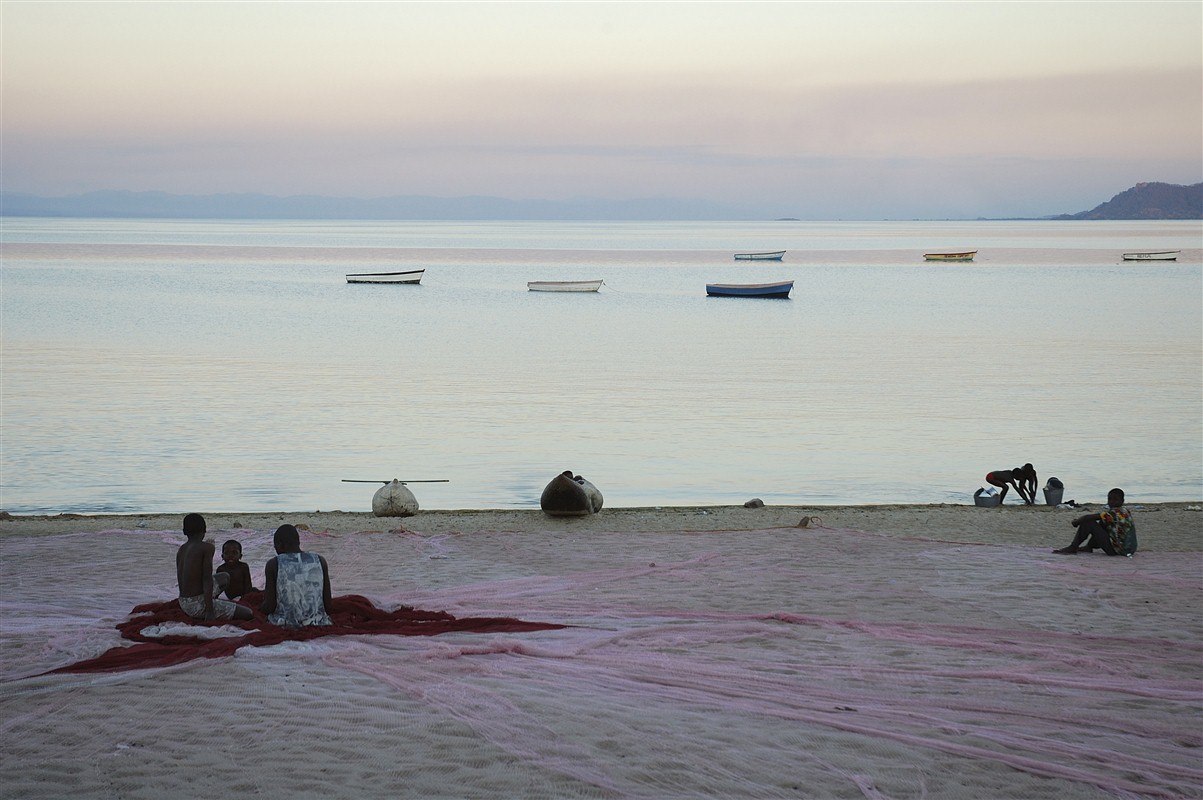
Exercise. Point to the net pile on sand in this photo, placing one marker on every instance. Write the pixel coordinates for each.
(766, 663)
(165, 635)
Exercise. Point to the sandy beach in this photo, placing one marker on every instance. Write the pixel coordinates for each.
(879, 651)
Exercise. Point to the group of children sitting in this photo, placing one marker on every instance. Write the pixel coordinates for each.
(296, 590)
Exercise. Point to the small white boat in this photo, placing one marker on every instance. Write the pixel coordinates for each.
(773, 256)
(563, 286)
(409, 276)
(1153, 255)
(966, 255)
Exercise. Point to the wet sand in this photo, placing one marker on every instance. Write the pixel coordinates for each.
(1163, 526)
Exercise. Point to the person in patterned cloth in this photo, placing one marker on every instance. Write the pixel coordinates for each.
(297, 593)
(1112, 531)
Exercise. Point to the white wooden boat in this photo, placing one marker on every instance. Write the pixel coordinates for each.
(409, 276)
(1153, 255)
(563, 286)
(966, 255)
(773, 256)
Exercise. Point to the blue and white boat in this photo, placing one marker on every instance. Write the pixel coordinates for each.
(776, 255)
(779, 289)
(564, 286)
(412, 276)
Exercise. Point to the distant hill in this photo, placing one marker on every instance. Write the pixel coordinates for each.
(1143, 201)
(1149, 201)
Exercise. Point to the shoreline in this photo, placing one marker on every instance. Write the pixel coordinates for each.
(1176, 526)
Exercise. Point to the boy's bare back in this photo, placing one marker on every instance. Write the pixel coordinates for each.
(193, 564)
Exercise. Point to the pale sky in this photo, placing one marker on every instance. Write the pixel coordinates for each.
(841, 110)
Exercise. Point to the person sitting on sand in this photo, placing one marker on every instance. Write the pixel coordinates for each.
(199, 586)
(297, 590)
(1112, 530)
(236, 570)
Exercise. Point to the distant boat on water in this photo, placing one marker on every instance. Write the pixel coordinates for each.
(963, 256)
(778, 289)
(563, 286)
(409, 276)
(773, 256)
(1153, 255)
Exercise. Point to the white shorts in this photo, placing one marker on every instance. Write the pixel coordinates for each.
(195, 607)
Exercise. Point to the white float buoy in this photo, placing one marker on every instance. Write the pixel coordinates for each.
(394, 500)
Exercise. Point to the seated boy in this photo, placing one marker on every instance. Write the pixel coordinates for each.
(1112, 531)
(194, 573)
(235, 570)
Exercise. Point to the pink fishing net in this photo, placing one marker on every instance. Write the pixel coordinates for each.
(768, 663)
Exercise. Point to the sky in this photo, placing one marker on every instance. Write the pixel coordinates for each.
(816, 110)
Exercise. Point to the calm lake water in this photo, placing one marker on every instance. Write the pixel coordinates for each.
(227, 366)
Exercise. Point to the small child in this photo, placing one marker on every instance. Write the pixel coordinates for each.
(239, 573)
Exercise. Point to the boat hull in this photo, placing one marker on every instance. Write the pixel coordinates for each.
(563, 286)
(779, 290)
(1162, 255)
(966, 256)
(409, 276)
(774, 256)
(570, 496)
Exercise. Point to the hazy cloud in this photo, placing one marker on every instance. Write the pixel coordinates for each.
(865, 105)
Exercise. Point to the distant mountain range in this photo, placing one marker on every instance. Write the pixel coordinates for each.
(1149, 201)
(161, 205)
(1142, 201)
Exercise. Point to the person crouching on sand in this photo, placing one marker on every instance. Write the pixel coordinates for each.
(199, 587)
(297, 590)
(1113, 530)
(1003, 479)
(1025, 483)
(1022, 478)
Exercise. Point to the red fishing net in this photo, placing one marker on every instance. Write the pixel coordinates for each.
(351, 615)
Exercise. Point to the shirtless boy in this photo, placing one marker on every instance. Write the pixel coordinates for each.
(235, 571)
(1022, 478)
(1025, 483)
(1003, 479)
(194, 572)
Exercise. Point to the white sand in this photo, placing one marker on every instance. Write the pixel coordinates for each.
(938, 652)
